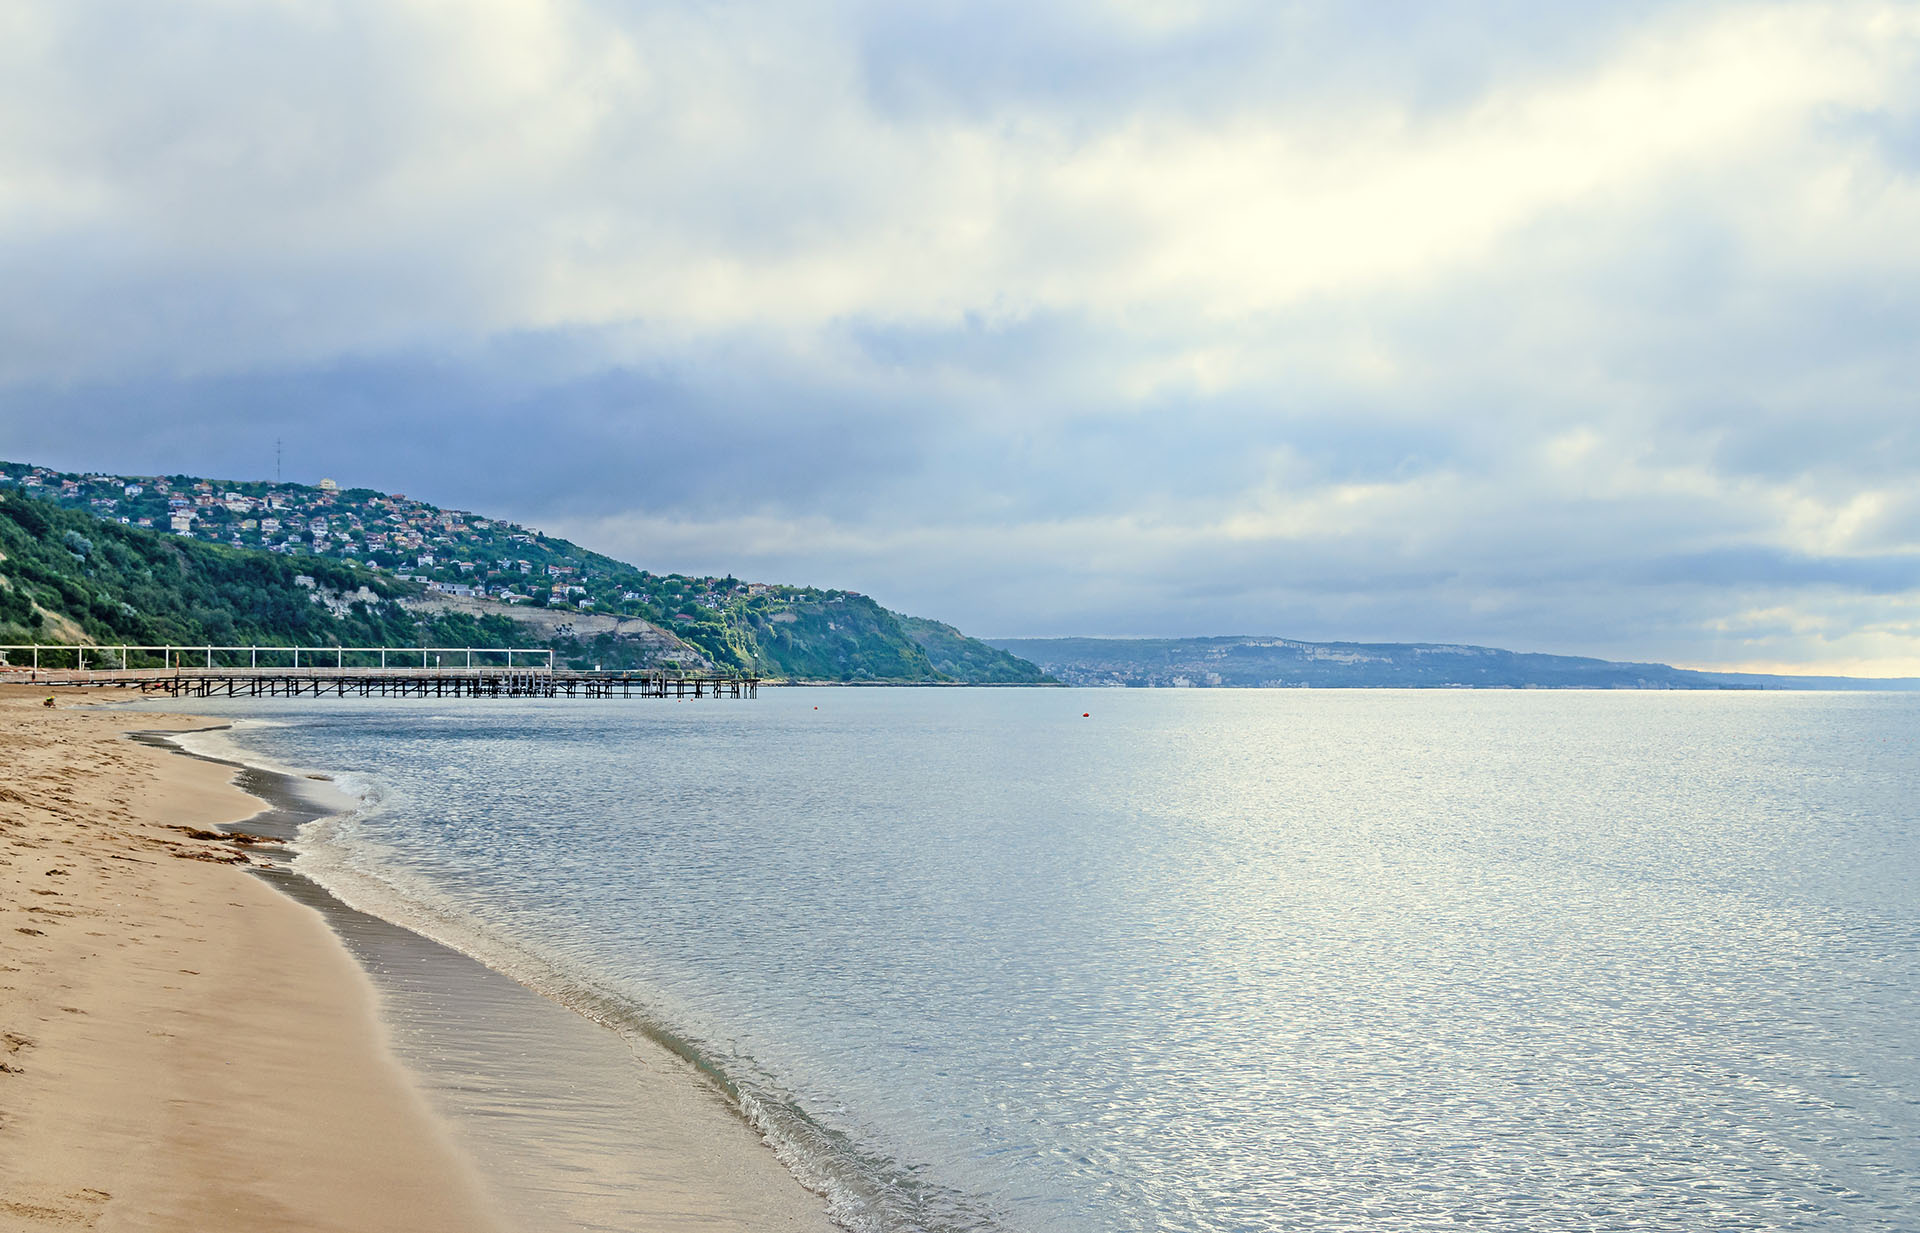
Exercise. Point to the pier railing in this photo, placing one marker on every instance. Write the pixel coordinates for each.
(47, 656)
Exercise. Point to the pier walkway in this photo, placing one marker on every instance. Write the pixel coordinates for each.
(387, 672)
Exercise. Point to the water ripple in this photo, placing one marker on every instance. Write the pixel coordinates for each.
(1226, 961)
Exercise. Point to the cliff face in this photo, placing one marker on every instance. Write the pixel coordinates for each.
(627, 641)
(824, 636)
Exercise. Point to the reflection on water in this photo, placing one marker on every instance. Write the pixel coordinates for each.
(1214, 960)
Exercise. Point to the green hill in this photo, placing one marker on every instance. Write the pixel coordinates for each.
(955, 655)
(224, 572)
(66, 577)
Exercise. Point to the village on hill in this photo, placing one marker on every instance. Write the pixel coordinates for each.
(448, 551)
(594, 608)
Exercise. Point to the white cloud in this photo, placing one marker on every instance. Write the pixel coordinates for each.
(1215, 341)
(532, 163)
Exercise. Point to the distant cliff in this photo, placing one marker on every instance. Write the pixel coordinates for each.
(1276, 663)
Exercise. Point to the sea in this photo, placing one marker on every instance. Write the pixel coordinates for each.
(1112, 961)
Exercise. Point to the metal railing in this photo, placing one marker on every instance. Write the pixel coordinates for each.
(51, 656)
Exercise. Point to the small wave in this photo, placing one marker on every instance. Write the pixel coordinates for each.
(309, 793)
(225, 743)
(867, 1191)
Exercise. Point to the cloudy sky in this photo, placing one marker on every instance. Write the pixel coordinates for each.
(1571, 327)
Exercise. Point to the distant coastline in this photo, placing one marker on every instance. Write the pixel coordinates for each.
(1252, 662)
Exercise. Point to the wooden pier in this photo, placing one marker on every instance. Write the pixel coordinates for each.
(205, 672)
(418, 683)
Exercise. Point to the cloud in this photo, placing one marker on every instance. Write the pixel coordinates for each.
(1573, 327)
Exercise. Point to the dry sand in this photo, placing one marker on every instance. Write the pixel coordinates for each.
(181, 1046)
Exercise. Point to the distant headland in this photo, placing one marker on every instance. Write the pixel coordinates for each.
(1275, 663)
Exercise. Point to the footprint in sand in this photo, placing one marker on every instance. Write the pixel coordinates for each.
(11, 1043)
(75, 1209)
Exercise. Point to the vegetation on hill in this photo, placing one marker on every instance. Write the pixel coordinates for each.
(955, 655)
(825, 636)
(407, 541)
(420, 576)
(67, 577)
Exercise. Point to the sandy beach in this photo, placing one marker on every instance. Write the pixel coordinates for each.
(189, 1046)
(185, 1048)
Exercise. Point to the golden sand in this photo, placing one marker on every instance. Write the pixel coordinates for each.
(181, 1046)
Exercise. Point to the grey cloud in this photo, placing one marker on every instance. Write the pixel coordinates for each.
(282, 223)
(1759, 565)
(479, 434)
(1082, 60)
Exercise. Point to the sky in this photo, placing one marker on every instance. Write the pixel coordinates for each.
(1587, 328)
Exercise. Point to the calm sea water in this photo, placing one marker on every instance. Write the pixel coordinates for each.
(1211, 960)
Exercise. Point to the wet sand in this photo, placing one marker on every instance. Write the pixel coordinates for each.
(575, 1123)
(188, 1047)
(184, 1047)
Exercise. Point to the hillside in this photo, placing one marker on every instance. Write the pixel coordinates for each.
(66, 577)
(432, 569)
(1281, 662)
(955, 655)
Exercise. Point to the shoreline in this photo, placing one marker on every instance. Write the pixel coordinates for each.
(572, 1123)
(185, 1047)
(556, 1137)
